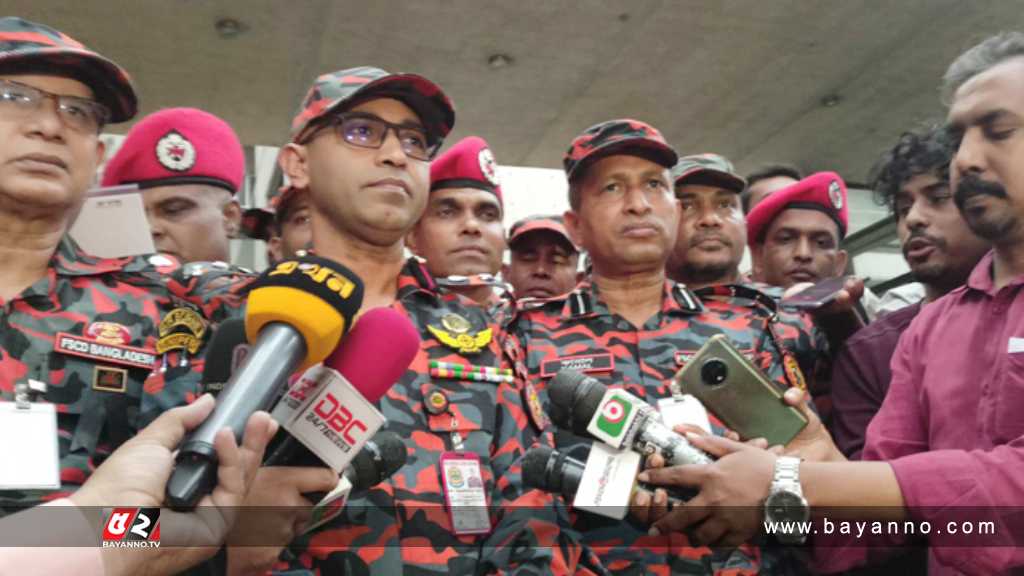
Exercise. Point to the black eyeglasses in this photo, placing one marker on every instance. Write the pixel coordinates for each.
(369, 131)
(81, 114)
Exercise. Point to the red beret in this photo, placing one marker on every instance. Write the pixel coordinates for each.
(467, 164)
(823, 191)
(178, 146)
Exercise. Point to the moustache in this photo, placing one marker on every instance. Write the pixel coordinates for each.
(937, 242)
(971, 186)
(702, 237)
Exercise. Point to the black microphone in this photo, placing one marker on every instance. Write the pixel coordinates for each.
(381, 456)
(619, 418)
(554, 472)
(295, 315)
(228, 349)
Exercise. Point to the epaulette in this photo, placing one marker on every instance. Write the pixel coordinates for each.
(149, 270)
(753, 296)
(580, 303)
(687, 299)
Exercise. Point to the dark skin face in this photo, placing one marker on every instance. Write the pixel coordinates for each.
(712, 236)
(192, 222)
(799, 246)
(43, 161)
(627, 217)
(296, 232)
(460, 233)
(937, 244)
(374, 195)
(987, 172)
(543, 265)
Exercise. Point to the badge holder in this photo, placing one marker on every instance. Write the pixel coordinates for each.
(462, 481)
(683, 409)
(34, 425)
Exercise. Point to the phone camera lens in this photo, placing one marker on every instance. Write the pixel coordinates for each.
(714, 372)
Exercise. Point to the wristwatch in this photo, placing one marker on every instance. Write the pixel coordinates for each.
(786, 506)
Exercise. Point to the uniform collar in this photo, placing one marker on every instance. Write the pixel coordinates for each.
(70, 260)
(585, 301)
(414, 277)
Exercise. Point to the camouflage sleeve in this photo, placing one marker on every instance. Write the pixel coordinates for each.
(533, 533)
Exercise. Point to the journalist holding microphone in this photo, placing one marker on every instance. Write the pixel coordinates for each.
(136, 475)
(946, 446)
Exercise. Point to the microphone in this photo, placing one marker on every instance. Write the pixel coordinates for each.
(228, 349)
(321, 412)
(552, 471)
(588, 408)
(382, 456)
(295, 316)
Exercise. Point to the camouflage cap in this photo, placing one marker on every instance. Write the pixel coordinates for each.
(553, 223)
(707, 169)
(26, 47)
(354, 85)
(257, 222)
(622, 136)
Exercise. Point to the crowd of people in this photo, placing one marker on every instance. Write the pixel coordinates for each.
(910, 406)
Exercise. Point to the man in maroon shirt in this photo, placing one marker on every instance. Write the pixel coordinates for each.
(912, 179)
(947, 446)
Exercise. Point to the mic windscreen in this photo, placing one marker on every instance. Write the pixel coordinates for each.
(382, 456)
(378, 351)
(225, 354)
(316, 296)
(535, 467)
(575, 399)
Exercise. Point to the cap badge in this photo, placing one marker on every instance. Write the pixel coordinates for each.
(835, 194)
(488, 166)
(175, 152)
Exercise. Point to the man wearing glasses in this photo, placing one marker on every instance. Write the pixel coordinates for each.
(77, 332)
(361, 148)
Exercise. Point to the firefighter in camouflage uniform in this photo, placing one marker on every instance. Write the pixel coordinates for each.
(78, 333)
(361, 146)
(631, 327)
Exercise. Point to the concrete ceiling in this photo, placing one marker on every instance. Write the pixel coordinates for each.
(745, 78)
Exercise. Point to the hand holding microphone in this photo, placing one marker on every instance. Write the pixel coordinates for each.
(296, 314)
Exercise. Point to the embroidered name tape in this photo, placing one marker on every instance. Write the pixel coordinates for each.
(584, 363)
(86, 348)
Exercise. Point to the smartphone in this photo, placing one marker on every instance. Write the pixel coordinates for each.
(738, 393)
(816, 296)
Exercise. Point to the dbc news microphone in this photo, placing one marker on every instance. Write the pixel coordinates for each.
(295, 315)
(228, 349)
(328, 414)
(552, 471)
(588, 408)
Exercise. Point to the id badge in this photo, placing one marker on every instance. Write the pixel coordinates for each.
(463, 483)
(684, 409)
(30, 439)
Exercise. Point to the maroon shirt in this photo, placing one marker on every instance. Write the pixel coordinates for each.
(861, 375)
(952, 424)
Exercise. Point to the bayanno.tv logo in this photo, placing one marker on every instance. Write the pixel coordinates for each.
(131, 528)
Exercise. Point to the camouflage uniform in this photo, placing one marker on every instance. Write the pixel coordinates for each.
(401, 526)
(544, 335)
(115, 302)
(216, 292)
